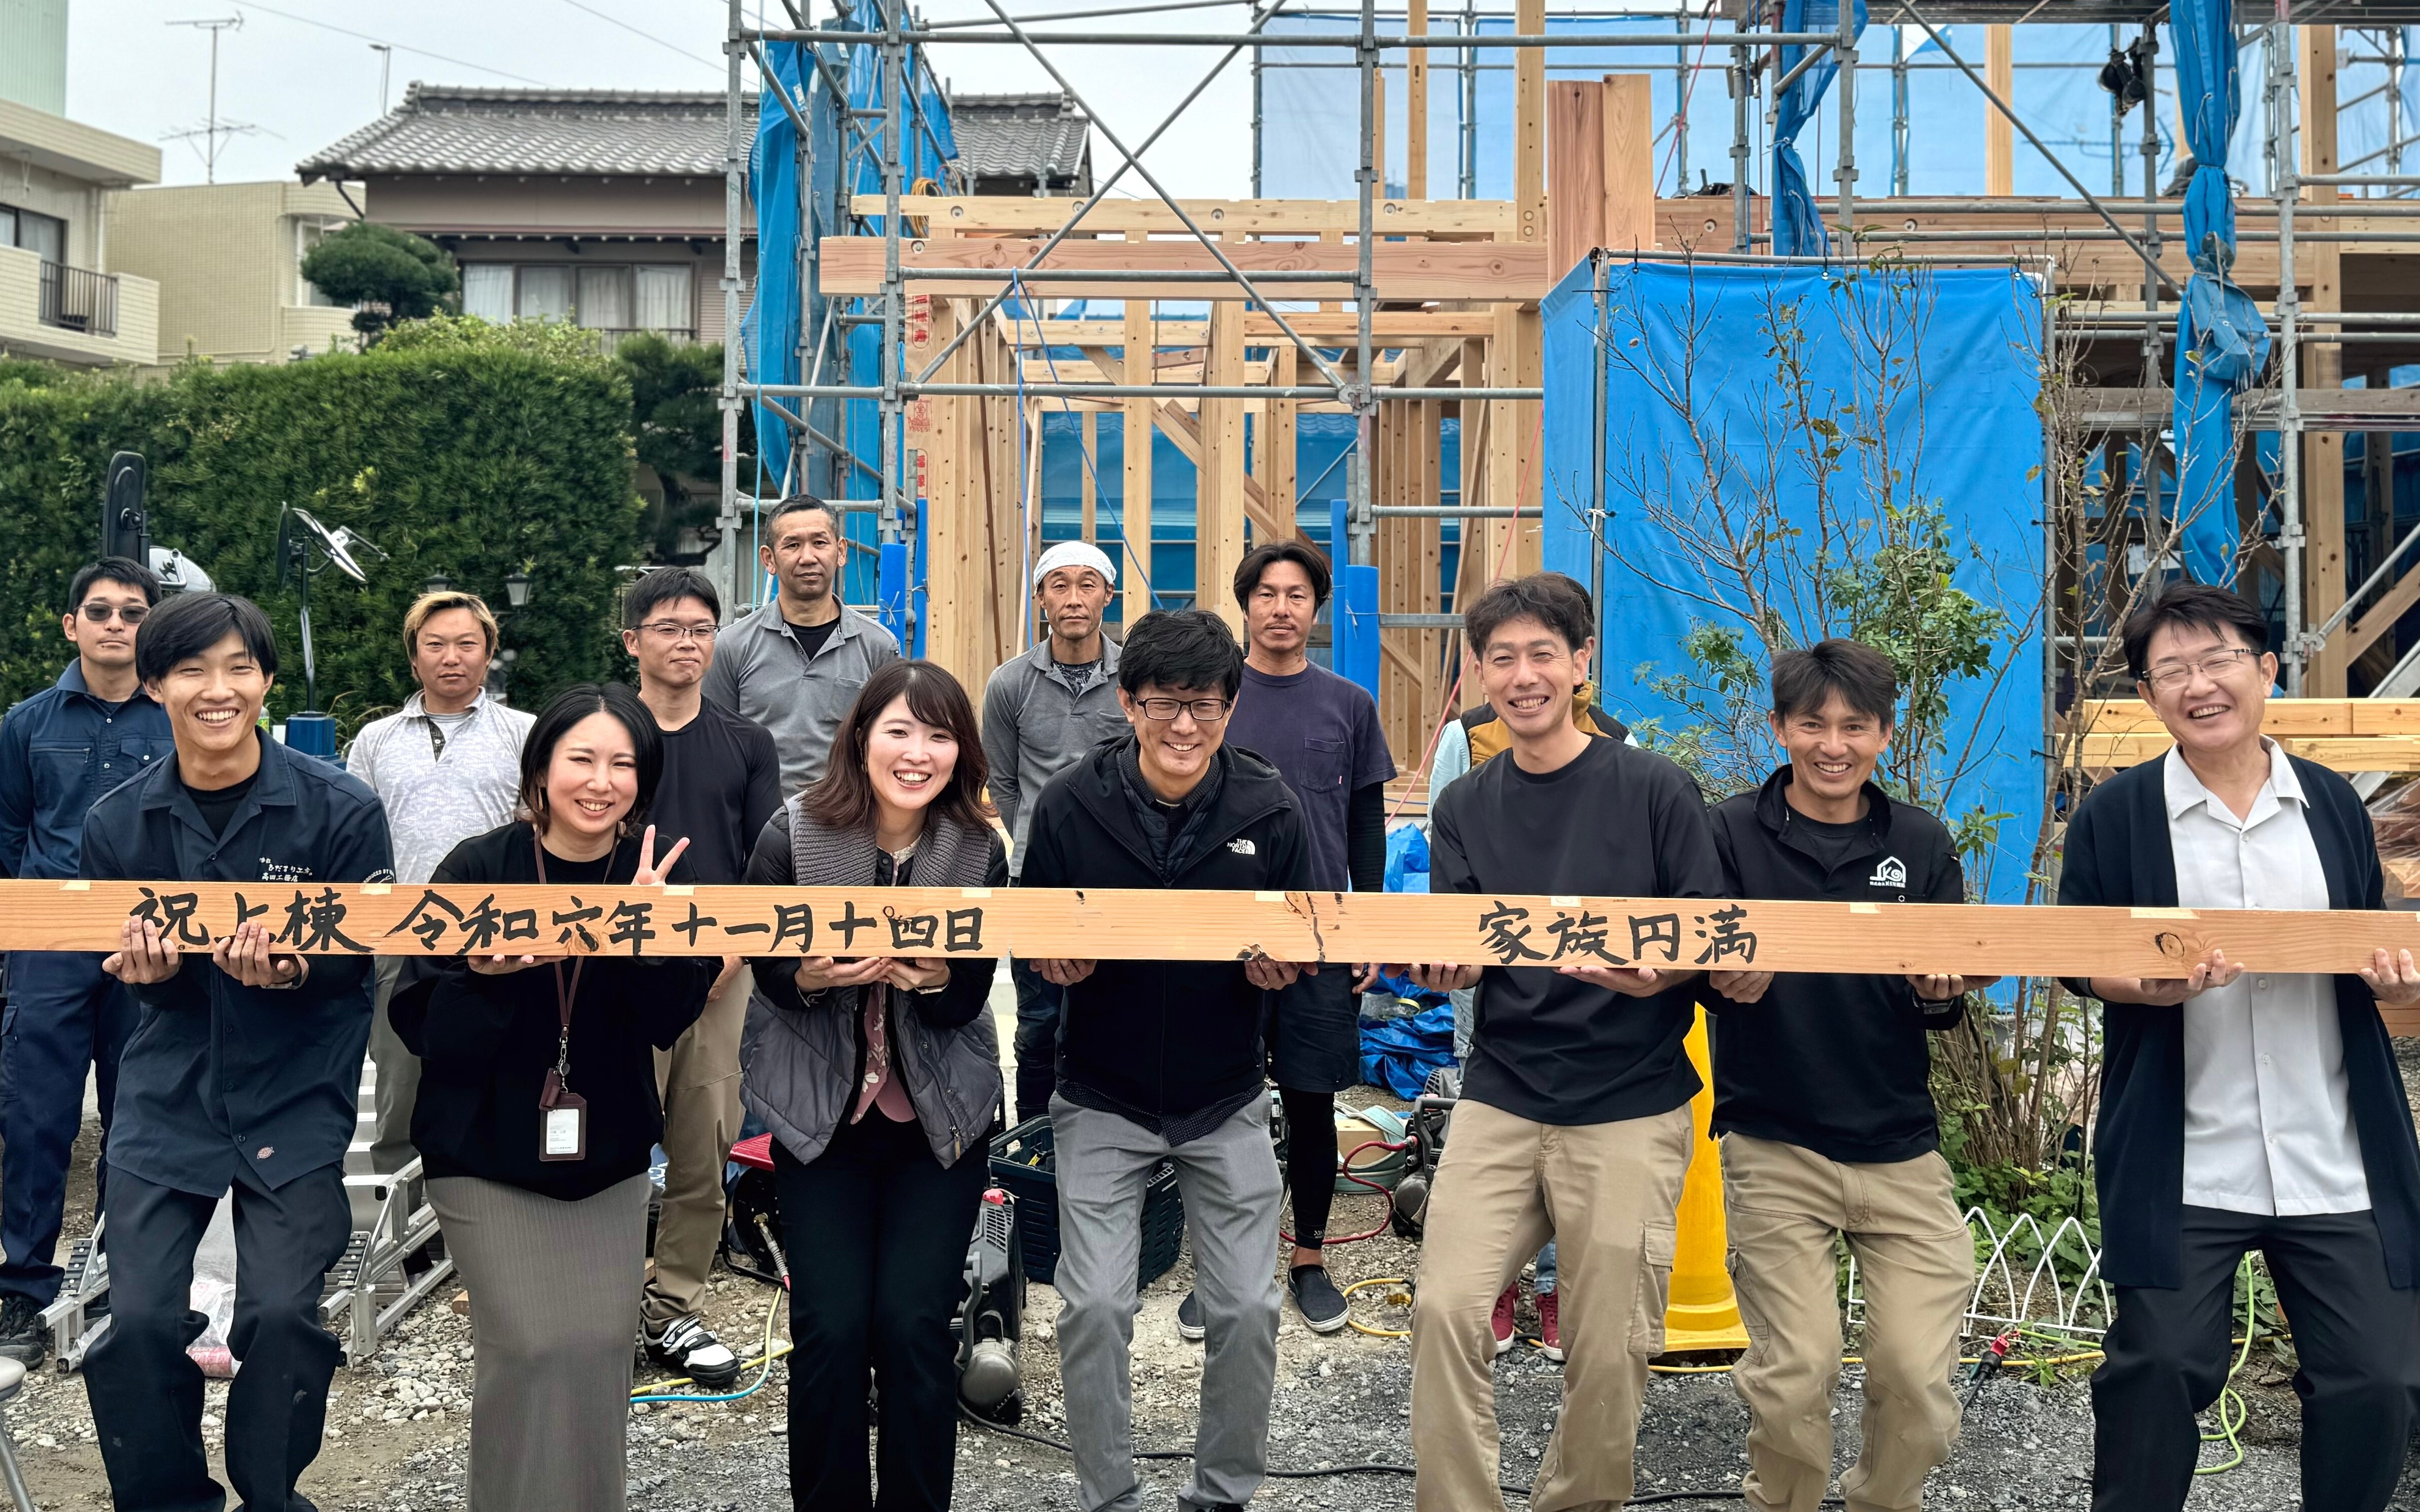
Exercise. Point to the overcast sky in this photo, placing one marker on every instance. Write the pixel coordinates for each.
(304, 74)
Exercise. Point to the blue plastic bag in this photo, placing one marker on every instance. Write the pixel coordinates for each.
(1398, 1053)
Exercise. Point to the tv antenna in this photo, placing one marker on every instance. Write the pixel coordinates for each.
(302, 538)
(213, 130)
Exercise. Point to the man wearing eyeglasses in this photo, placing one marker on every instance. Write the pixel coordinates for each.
(2242, 1110)
(1162, 1060)
(448, 766)
(722, 781)
(59, 751)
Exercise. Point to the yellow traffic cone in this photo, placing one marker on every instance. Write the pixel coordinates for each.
(1701, 1313)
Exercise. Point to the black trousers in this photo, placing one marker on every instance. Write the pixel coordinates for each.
(877, 1231)
(2357, 1338)
(146, 1393)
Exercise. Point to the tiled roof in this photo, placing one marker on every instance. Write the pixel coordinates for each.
(1003, 136)
(441, 129)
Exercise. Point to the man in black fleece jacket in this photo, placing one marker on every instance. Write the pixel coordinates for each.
(1824, 1111)
(1163, 1060)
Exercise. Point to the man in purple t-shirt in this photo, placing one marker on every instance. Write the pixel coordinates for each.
(1320, 732)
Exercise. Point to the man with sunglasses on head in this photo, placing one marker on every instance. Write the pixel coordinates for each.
(722, 781)
(59, 751)
(2239, 1110)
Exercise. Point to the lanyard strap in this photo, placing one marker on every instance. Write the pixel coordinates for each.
(563, 995)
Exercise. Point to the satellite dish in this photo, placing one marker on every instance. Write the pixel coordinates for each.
(332, 544)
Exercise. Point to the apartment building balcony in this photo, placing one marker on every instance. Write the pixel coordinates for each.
(75, 314)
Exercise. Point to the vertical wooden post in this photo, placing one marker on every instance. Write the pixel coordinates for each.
(1091, 441)
(952, 538)
(1629, 158)
(1415, 106)
(2323, 510)
(1378, 130)
(1529, 124)
(1134, 572)
(1278, 479)
(1999, 138)
(1575, 172)
(1218, 491)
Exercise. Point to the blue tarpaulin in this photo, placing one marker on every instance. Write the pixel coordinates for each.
(1398, 1053)
(1797, 226)
(1695, 391)
(2221, 339)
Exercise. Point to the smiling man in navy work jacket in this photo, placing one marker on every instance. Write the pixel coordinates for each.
(2243, 1111)
(244, 1072)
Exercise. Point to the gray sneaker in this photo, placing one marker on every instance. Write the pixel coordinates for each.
(1191, 1325)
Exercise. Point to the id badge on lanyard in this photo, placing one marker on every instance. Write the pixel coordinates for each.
(562, 1112)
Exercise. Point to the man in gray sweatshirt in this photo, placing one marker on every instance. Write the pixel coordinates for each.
(1041, 712)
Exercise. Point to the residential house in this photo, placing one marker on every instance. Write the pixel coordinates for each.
(60, 298)
(603, 206)
(1039, 143)
(228, 260)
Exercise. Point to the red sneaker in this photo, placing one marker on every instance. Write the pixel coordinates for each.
(1501, 1323)
(1550, 1334)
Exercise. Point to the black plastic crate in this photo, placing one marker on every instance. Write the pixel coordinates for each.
(1022, 1163)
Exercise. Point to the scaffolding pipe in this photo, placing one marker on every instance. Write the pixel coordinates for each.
(1018, 36)
(734, 199)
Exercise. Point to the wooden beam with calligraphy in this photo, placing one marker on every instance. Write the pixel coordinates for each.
(398, 918)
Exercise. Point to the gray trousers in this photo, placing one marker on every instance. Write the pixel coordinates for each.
(398, 1078)
(1229, 1179)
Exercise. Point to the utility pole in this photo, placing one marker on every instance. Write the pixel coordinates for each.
(386, 60)
(210, 132)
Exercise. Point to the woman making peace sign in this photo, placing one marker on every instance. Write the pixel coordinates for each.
(537, 1112)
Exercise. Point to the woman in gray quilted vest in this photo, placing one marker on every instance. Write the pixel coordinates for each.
(879, 1077)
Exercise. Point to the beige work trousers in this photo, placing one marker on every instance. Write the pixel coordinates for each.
(1605, 1193)
(1785, 1206)
(698, 1079)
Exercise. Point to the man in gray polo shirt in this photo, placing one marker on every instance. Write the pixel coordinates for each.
(1041, 712)
(795, 665)
(448, 764)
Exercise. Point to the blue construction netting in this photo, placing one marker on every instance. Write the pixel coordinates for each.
(1939, 367)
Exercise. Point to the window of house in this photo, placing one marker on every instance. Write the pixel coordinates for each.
(44, 235)
(545, 294)
(487, 291)
(600, 296)
(605, 299)
(664, 297)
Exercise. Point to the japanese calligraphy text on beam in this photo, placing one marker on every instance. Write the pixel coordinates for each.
(1471, 929)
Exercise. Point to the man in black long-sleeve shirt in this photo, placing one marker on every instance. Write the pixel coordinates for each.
(1824, 1110)
(244, 1071)
(1574, 1112)
(1322, 733)
(721, 781)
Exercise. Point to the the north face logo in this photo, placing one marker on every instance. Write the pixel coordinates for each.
(1892, 872)
(1242, 847)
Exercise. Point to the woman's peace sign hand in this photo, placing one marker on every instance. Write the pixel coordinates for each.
(651, 871)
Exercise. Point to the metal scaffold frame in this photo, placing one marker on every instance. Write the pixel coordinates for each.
(1276, 295)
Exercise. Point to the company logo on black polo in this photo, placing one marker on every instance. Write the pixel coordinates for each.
(1242, 847)
(1891, 873)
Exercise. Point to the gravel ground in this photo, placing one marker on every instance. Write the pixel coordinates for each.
(399, 1436)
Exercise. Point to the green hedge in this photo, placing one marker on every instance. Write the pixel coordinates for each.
(465, 461)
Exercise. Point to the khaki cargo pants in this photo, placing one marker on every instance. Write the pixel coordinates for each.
(1605, 1193)
(699, 1081)
(1785, 1207)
